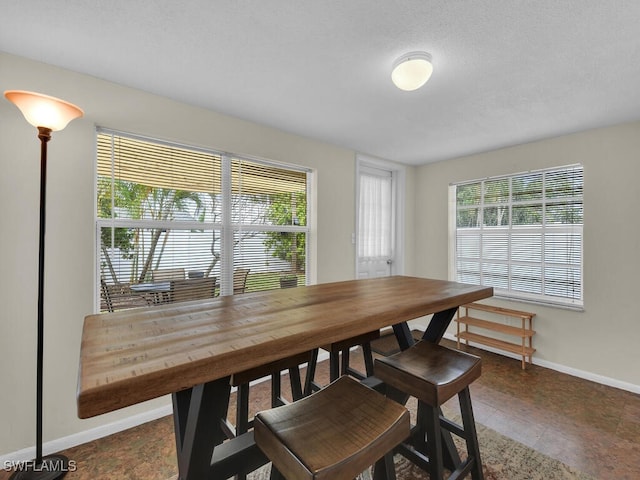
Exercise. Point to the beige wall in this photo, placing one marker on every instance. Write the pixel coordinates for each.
(69, 293)
(603, 339)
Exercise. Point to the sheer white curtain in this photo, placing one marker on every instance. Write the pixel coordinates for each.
(375, 215)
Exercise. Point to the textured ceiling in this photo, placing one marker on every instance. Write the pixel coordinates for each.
(505, 71)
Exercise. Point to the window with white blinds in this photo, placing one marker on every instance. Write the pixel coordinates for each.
(522, 235)
(180, 223)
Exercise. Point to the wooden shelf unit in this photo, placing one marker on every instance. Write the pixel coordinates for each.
(525, 331)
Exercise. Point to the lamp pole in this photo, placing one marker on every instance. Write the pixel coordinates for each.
(42, 110)
(44, 134)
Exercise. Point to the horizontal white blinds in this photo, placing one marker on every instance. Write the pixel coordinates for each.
(196, 214)
(143, 162)
(522, 234)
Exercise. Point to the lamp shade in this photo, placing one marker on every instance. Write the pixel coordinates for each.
(411, 71)
(42, 110)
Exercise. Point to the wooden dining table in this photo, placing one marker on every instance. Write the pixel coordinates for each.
(191, 349)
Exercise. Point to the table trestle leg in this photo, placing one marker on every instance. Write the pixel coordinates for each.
(197, 412)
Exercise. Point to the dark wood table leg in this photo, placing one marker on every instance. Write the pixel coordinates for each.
(403, 335)
(438, 325)
(436, 329)
(203, 453)
(196, 416)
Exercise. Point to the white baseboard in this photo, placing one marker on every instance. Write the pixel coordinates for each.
(86, 435)
(601, 379)
(91, 434)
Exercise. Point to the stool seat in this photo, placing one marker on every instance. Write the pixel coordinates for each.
(430, 372)
(336, 433)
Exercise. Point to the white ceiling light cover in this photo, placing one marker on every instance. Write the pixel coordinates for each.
(412, 70)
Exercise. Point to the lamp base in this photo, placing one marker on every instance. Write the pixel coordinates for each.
(52, 467)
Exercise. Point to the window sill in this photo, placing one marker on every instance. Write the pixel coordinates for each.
(562, 306)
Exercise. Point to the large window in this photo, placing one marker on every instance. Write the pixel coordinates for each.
(171, 217)
(522, 235)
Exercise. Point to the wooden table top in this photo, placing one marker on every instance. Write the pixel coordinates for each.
(130, 356)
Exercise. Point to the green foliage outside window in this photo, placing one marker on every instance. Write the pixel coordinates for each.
(137, 201)
(288, 209)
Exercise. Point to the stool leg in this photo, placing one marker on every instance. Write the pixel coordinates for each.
(309, 382)
(296, 383)
(276, 388)
(471, 436)
(384, 469)
(242, 415)
(431, 417)
(275, 474)
(334, 366)
(368, 358)
(345, 361)
(242, 409)
(451, 457)
(419, 436)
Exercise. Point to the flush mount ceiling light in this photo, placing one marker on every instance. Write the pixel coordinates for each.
(411, 71)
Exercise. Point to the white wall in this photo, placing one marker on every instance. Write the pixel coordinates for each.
(601, 341)
(69, 293)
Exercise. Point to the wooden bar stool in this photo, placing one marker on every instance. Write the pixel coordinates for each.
(434, 374)
(339, 360)
(335, 433)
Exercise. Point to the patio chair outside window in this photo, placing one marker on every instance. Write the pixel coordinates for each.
(192, 289)
(119, 296)
(165, 274)
(240, 280)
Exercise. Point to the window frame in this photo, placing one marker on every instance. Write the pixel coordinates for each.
(227, 226)
(544, 230)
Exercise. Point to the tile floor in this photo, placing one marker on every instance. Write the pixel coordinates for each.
(591, 427)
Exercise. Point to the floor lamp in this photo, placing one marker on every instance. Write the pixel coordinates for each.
(47, 114)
